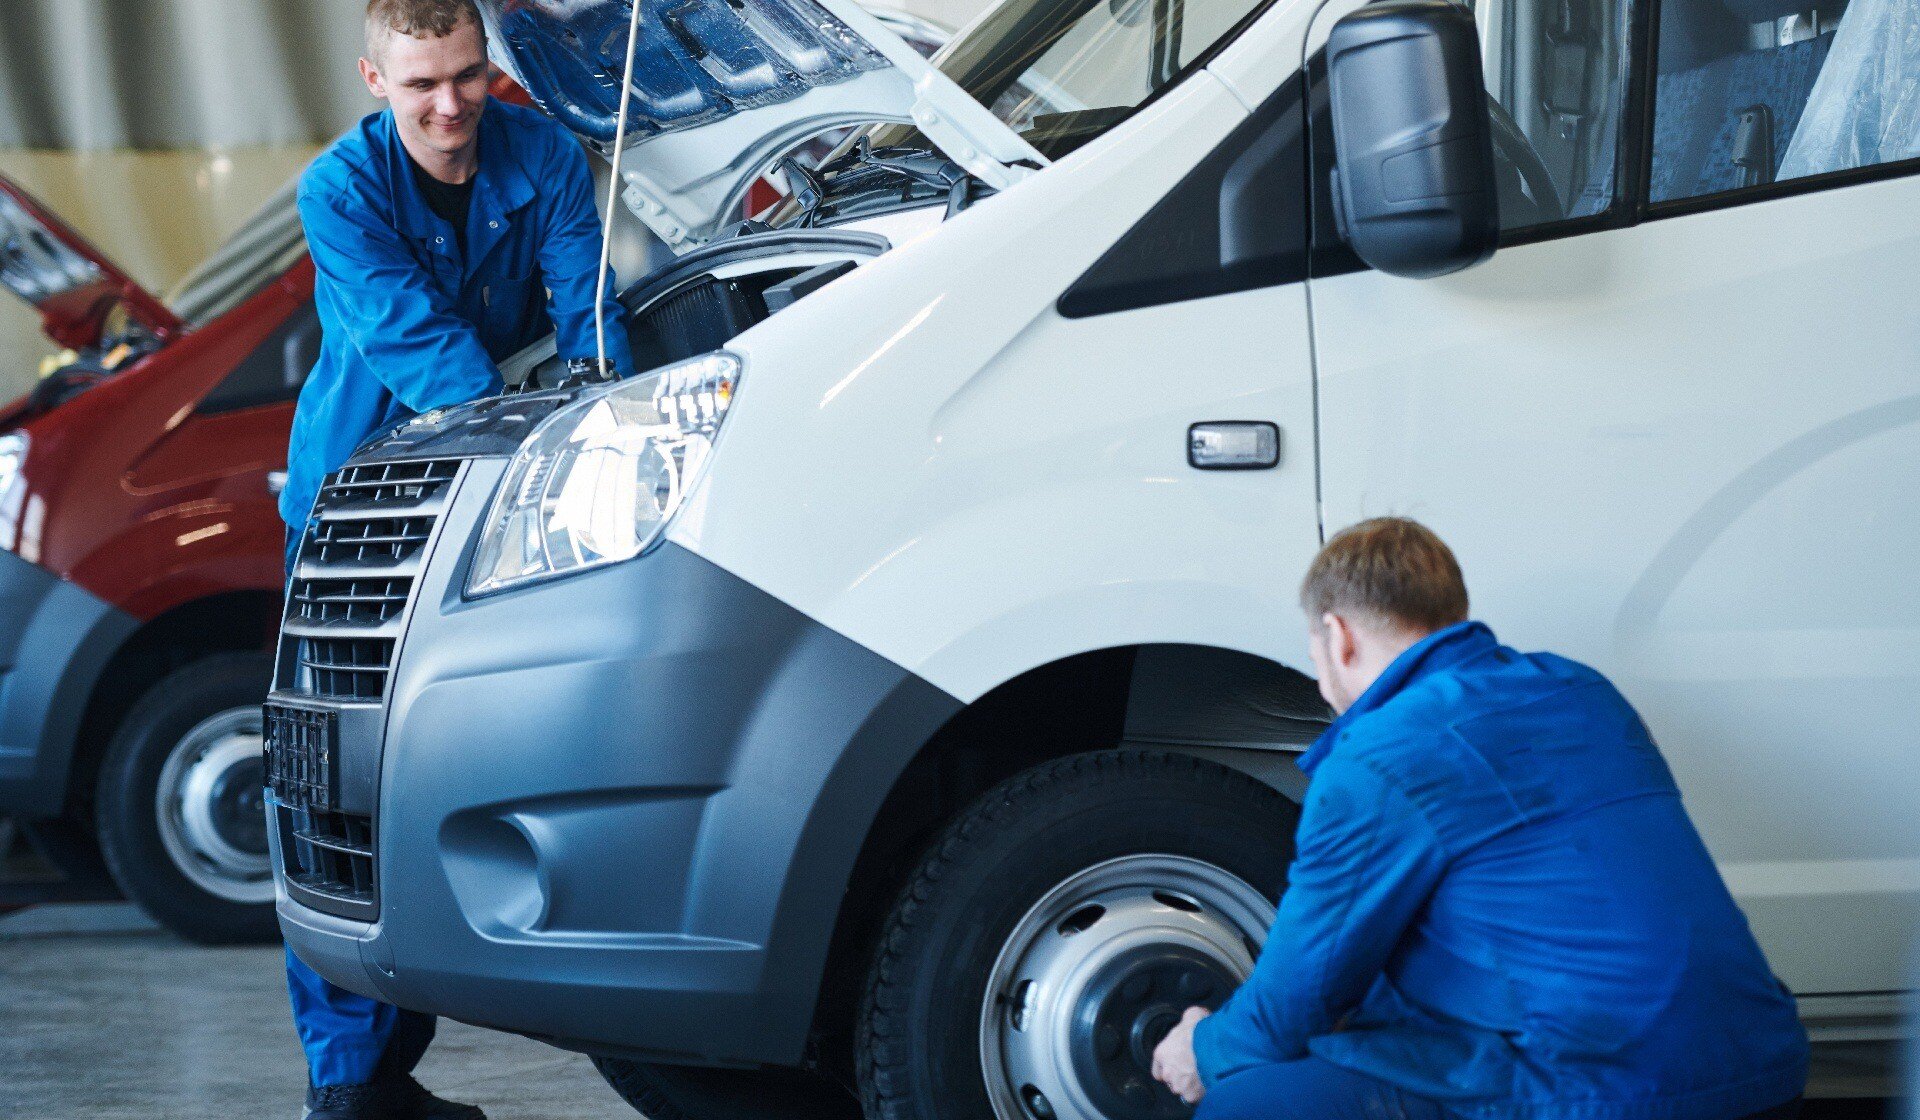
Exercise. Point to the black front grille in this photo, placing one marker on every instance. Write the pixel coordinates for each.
(354, 574)
(362, 602)
(380, 484)
(330, 854)
(300, 753)
(346, 668)
(369, 540)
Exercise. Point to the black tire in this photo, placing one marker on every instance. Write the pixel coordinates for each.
(921, 1034)
(222, 686)
(665, 1092)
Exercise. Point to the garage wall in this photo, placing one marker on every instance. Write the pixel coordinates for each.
(167, 74)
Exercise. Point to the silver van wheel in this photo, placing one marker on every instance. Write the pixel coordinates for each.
(1097, 972)
(209, 809)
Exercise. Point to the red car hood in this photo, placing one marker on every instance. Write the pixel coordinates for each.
(71, 283)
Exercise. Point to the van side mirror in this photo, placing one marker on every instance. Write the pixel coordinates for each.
(1414, 185)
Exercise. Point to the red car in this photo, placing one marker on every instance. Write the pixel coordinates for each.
(141, 554)
(140, 561)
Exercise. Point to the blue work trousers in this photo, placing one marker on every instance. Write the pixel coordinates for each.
(350, 1039)
(1311, 1089)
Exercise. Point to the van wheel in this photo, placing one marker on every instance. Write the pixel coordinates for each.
(1056, 931)
(664, 1092)
(183, 825)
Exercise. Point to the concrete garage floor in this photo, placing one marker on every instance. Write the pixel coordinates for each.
(104, 1017)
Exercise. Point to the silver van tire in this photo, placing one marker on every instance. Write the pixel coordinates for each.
(1057, 929)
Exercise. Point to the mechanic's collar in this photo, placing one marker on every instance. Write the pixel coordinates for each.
(1439, 650)
(500, 184)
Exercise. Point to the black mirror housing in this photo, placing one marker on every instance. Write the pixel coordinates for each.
(1414, 185)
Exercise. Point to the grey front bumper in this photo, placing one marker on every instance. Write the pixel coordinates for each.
(619, 810)
(55, 639)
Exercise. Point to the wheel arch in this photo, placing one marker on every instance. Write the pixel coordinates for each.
(228, 622)
(1238, 708)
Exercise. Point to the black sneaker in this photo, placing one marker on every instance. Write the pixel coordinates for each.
(407, 1099)
(347, 1102)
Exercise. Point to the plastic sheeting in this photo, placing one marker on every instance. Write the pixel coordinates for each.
(1865, 106)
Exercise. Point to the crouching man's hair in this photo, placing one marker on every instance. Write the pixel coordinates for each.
(420, 18)
(1388, 573)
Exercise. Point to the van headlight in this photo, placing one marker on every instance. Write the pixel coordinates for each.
(13, 487)
(597, 482)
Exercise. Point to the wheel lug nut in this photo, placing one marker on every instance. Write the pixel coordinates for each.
(1195, 985)
(1138, 987)
(1136, 1092)
(1109, 1042)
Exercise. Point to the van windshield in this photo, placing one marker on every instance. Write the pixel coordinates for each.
(264, 246)
(1061, 72)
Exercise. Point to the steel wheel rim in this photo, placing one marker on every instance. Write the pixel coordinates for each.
(1062, 976)
(212, 778)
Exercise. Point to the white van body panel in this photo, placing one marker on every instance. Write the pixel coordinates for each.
(958, 478)
(1667, 450)
(1681, 452)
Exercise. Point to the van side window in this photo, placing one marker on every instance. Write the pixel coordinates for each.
(1752, 92)
(1556, 73)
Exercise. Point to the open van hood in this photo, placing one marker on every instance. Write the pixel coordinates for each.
(721, 88)
(72, 284)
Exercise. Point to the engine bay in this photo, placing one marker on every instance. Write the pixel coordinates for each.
(707, 297)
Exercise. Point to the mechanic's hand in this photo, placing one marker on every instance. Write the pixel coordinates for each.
(1173, 1062)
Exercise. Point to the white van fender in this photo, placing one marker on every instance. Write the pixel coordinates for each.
(929, 459)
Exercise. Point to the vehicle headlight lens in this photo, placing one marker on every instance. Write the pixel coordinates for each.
(13, 487)
(597, 482)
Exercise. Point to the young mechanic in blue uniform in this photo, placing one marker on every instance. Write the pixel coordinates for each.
(1498, 907)
(447, 232)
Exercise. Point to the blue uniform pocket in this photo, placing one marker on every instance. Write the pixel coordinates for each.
(508, 306)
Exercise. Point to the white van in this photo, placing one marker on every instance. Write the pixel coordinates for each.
(889, 701)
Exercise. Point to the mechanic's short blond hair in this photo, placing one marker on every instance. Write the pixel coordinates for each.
(424, 19)
(1387, 573)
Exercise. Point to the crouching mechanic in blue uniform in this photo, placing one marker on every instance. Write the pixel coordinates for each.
(447, 232)
(1498, 907)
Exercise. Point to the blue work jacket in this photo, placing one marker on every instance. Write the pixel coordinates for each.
(409, 323)
(1498, 902)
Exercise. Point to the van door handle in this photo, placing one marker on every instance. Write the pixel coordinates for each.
(1234, 445)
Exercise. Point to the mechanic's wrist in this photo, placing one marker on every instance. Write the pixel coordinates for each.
(1206, 1058)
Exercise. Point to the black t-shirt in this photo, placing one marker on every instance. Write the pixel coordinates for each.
(448, 200)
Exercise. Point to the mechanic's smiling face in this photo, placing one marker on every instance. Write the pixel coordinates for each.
(437, 85)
